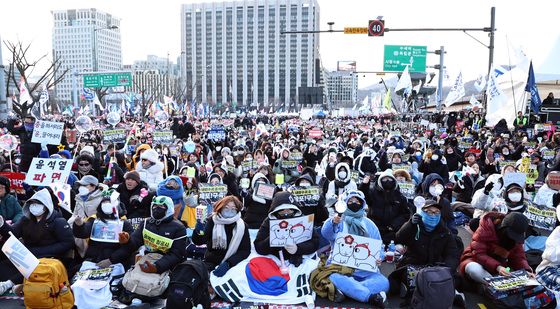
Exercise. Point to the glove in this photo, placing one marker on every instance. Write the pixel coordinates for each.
(555, 199)
(104, 263)
(124, 237)
(221, 270)
(416, 218)
(296, 260)
(488, 188)
(148, 267)
(292, 249)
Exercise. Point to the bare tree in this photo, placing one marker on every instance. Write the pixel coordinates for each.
(50, 77)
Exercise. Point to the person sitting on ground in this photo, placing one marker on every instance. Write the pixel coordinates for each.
(225, 235)
(10, 209)
(150, 169)
(135, 196)
(42, 230)
(364, 286)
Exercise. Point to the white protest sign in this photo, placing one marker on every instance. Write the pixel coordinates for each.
(291, 231)
(107, 231)
(20, 256)
(45, 171)
(518, 178)
(356, 252)
(424, 122)
(47, 132)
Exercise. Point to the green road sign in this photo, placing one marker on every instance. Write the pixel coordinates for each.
(396, 57)
(99, 80)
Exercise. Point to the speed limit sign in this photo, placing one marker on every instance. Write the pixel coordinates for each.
(376, 27)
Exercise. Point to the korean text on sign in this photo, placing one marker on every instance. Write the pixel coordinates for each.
(47, 132)
(45, 171)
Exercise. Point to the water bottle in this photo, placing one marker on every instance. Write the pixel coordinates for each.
(135, 302)
(391, 246)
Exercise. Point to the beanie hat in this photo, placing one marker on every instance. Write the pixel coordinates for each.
(132, 175)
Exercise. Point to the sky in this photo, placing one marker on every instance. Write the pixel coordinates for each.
(154, 28)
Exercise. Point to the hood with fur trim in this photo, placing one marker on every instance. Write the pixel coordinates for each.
(357, 194)
(44, 197)
(215, 175)
(140, 148)
(150, 155)
(348, 172)
(256, 178)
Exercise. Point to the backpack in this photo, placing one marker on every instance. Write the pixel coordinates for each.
(48, 286)
(434, 289)
(188, 286)
(146, 284)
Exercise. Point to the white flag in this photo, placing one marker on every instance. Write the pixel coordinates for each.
(43, 100)
(98, 103)
(457, 92)
(24, 95)
(404, 82)
(474, 102)
(20, 256)
(480, 83)
(496, 101)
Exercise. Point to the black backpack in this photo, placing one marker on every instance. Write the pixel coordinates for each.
(188, 286)
(434, 289)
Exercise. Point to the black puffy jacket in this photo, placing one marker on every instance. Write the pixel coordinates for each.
(131, 201)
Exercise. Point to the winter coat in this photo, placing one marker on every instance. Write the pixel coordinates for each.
(544, 196)
(389, 210)
(486, 250)
(10, 208)
(153, 175)
(320, 212)
(256, 208)
(88, 207)
(470, 185)
(428, 248)
(169, 228)
(215, 256)
(98, 251)
(453, 160)
(339, 186)
(551, 254)
(136, 207)
(446, 212)
(436, 167)
(50, 237)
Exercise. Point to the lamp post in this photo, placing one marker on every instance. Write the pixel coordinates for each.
(95, 61)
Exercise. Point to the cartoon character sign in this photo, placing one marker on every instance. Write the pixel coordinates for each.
(356, 252)
(291, 231)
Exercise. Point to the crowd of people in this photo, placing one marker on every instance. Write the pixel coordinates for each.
(415, 182)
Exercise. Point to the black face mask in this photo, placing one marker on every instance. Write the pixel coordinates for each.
(354, 207)
(158, 213)
(389, 184)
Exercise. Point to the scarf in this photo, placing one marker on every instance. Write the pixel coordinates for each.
(219, 237)
(175, 194)
(356, 225)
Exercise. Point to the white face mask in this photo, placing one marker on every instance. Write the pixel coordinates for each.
(17, 161)
(515, 196)
(107, 208)
(83, 191)
(505, 152)
(218, 148)
(342, 175)
(435, 157)
(36, 209)
(305, 184)
(436, 190)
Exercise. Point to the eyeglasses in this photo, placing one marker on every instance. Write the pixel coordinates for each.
(432, 213)
(83, 164)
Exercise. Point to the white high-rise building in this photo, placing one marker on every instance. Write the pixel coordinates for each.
(86, 40)
(343, 88)
(234, 51)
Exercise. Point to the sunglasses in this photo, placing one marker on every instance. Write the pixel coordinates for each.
(84, 164)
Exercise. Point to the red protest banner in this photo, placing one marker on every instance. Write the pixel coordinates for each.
(16, 181)
(553, 180)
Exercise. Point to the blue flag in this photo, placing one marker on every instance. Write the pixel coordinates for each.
(532, 88)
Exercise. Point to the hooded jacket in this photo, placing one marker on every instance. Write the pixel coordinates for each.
(485, 248)
(153, 175)
(389, 210)
(262, 242)
(98, 251)
(320, 212)
(469, 187)
(446, 212)
(167, 227)
(256, 208)
(483, 203)
(50, 237)
(338, 185)
(10, 208)
(136, 158)
(135, 205)
(435, 166)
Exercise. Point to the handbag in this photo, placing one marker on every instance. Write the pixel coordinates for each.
(146, 284)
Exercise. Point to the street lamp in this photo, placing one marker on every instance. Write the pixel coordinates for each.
(95, 62)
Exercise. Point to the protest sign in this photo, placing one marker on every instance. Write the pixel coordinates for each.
(296, 156)
(217, 134)
(541, 216)
(291, 231)
(107, 231)
(114, 136)
(47, 132)
(265, 191)
(406, 167)
(45, 171)
(548, 154)
(424, 122)
(20, 256)
(94, 279)
(279, 179)
(355, 175)
(289, 164)
(209, 194)
(407, 189)
(16, 181)
(162, 137)
(247, 165)
(518, 178)
(315, 133)
(356, 252)
(503, 286)
(306, 196)
(62, 192)
(532, 174)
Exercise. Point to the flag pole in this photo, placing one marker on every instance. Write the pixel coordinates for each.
(511, 78)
